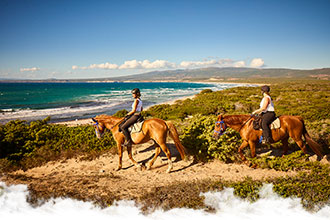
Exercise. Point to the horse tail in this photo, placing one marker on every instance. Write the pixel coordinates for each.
(175, 136)
(317, 148)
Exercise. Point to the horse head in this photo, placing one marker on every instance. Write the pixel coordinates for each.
(99, 128)
(220, 127)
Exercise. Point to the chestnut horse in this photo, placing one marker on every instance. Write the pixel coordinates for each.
(291, 126)
(152, 129)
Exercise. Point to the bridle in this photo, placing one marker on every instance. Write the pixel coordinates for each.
(223, 127)
(97, 130)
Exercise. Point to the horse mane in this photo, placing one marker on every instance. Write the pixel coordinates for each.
(235, 119)
(106, 117)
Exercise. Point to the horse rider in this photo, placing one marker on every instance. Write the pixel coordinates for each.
(132, 116)
(267, 111)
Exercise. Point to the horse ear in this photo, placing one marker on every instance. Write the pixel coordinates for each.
(220, 117)
(94, 119)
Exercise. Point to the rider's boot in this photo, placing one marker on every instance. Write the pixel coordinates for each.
(127, 143)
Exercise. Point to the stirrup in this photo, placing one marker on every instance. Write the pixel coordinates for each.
(266, 141)
(127, 143)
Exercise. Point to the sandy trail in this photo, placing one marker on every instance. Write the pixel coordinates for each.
(98, 180)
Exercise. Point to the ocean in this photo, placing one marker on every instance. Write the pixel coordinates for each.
(71, 101)
(14, 205)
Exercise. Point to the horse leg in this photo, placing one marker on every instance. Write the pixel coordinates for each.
(129, 153)
(302, 145)
(168, 155)
(120, 156)
(285, 144)
(253, 148)
(157, 152)
(240, 149)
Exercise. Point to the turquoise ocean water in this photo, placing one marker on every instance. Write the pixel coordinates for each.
(70, 101)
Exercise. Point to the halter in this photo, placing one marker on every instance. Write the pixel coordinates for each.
(223, 127)
(97, 130)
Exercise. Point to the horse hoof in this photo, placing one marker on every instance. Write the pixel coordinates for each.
(248, 163)
(168, 170)
(140, 167)
(118, 168)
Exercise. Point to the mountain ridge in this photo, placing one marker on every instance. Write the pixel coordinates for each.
(209, 73)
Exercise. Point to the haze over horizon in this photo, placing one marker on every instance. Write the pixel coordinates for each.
(97, 39)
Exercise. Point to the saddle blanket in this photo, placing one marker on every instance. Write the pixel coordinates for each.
(136, 128)
(275, 124)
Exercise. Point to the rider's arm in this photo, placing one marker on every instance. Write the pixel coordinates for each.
(263, 107)
(136, 102)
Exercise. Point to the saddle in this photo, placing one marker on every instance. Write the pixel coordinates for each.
(136, 127)
(257, 123)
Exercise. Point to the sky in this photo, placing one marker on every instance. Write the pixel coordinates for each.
(67, 39)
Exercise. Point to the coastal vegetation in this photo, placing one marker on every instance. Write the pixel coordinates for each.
(24, 145)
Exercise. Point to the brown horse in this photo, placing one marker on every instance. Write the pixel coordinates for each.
(291, 126)
(152, 129)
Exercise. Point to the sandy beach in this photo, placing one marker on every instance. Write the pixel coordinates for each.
(89, 121)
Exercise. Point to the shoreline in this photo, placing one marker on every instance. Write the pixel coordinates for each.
(79, 122)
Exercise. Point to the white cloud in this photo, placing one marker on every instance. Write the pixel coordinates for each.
(189, 64)
(164, 64)
(212, 62)
(146, 64)
(257, 62)
(131, 64)
(239, 64)
(103, 66)
(97, 66)
(29, 69)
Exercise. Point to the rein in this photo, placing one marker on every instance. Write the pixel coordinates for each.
(118, 123)
(245, 122)
(223, 126)
(97, 125)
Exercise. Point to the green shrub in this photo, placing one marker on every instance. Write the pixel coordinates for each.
(29, 144)
(121, 113)
(294, 161)
(197, 138)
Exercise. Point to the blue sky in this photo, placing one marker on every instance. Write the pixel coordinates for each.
(87, 39)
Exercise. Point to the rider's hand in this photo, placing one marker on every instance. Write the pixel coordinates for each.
(256, 112)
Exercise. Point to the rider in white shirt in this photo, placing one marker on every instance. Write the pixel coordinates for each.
(267, 111)
(132, 116)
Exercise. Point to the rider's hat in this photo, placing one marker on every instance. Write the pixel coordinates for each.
(136, 91)
(265, 88)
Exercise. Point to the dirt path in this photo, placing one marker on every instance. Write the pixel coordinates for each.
(98, 180)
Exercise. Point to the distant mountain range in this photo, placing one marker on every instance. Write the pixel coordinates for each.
(211, 73)
(215, 73)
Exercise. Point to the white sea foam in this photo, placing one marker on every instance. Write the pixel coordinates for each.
(13, 205)
(108, 102)
(58, 113)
